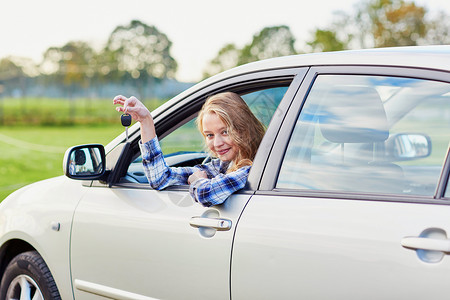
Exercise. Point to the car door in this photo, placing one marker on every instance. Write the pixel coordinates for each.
(352, 204)
(131, 242)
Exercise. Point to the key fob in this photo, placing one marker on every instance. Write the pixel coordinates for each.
(126, 120)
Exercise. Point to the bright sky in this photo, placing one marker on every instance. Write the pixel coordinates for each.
(197, 28)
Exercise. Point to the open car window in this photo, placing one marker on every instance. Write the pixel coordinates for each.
(185, 146)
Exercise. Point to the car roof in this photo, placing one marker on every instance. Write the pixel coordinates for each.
(428, 57)
(435, 57)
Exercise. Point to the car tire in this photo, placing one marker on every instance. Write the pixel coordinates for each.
(28, 273)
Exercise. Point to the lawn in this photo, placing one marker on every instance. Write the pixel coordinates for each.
(32, 153)
(35, 133)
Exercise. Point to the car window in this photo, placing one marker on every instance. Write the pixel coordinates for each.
(369, 134)
(185, 145)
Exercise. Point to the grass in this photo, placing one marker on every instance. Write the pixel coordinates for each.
(33, 153)
(60, 112)
(35, 132)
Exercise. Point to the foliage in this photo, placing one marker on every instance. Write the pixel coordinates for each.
(227, 58)
(438, 30)
(136, 53)
(382, 23)
(70, 64)
(139, 54)
(141, 51)
(392, 22)
(269, 42)
(326, 40)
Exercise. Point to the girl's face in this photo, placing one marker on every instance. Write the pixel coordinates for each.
(217, 138)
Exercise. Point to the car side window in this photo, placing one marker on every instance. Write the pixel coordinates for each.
(372, 134)
(185, 145)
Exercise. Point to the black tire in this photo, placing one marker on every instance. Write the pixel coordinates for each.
(28, 273)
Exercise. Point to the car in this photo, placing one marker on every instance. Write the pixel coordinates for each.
(347, 196)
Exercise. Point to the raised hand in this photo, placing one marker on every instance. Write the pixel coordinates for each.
(137, 110)
(132, 106)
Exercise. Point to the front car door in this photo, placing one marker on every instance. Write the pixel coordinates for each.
(352, 203)
(132, 242)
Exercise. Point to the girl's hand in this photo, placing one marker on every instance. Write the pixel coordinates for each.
(132, 106)
(139, 113)
(197, 175)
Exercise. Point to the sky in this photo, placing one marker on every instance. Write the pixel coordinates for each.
(198, 29)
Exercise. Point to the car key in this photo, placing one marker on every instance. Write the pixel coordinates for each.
(126, 121)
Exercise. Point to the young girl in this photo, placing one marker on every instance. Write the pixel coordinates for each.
(232, 134)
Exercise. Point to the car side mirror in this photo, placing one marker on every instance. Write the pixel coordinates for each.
(408, 146)
(85, 162)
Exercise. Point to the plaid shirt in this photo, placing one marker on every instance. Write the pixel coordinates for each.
(209, 191)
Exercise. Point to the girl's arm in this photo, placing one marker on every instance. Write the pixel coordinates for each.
(215, 191)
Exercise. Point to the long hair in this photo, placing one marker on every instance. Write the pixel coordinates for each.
(244, 129)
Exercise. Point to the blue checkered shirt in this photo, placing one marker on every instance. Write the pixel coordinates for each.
(209, 191)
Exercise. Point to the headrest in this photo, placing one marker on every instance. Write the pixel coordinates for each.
(353, 114)
(80, 157)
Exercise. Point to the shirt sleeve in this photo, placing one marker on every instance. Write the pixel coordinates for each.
(216, 190)
(160, 175)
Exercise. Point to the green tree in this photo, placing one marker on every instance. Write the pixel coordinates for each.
(326, 40)
(382, 23)
(392, 22)
(138, 52)
(227, 58)
(270, 42)
(9, 70)
(15, 72)
(70, 65)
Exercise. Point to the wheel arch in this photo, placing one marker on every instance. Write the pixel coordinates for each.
(11, 249)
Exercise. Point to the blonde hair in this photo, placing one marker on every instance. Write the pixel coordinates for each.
(245, 130)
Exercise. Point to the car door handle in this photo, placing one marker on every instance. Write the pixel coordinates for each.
(216, 223)
(424, 243)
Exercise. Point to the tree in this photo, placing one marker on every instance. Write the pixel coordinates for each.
(227, 58)
(269, 42)
(438, 30)
(15, 72)
(326, 40)
(382, 23)
(392, 22)
(140, 51)
(70, 65)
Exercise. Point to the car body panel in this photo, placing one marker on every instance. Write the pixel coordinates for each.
(164, 254)
(41, 214)
(323, 248)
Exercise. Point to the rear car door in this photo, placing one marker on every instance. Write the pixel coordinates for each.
(132, 242)
(352, 203)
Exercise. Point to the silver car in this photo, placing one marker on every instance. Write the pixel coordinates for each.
(347, 197)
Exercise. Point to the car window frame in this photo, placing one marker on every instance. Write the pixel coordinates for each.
(184, 110)
(267, 186)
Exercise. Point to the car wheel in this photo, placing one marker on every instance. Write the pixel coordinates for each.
(28, 277)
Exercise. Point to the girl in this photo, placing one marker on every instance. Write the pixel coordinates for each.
(232, 134)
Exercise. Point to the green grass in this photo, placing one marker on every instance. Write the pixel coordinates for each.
(60, 112)
(32, 153)
(35, 132)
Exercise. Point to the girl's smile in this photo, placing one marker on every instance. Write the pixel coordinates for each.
(217, 137)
